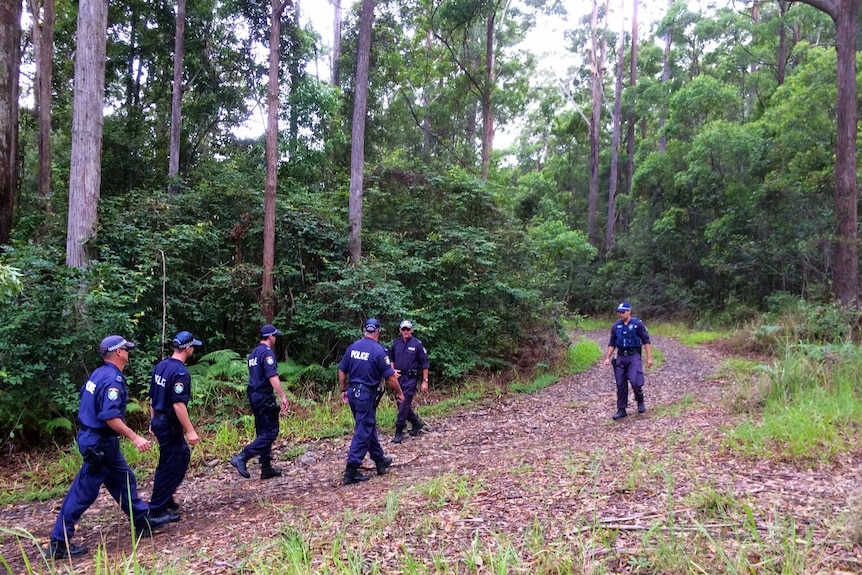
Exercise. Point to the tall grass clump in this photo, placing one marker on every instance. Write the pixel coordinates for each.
(810, 395)
(582, 356)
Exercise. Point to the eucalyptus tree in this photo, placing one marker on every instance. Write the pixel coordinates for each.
(277, 8)
(616, 122)
(87, 119)
(10, 59)
(475, 33)
(43, 15)
(357, 140)
(177, 95)
(845, 15)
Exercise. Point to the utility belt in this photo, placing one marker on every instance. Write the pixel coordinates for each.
(374, 388)
(412, 372)
(164, 416)
(101, 431)
(267, 390)
(629, 351)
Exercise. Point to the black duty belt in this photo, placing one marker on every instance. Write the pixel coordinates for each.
(162, 416)
(629, 351)
(102, 431)
(374, 387)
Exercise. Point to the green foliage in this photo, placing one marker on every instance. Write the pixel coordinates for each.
(49, 337)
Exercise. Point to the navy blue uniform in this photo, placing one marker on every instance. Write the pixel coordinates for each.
(170, 383)
(628, 367)
(103, 397)
(262, 365)
(410, 358)
(366, 363)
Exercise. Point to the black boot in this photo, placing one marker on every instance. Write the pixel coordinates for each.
(641, 406)
(58, 549)
(165, 515)
(399, 435)
(417, 428)
(620, 414)
(352, 475)
(238, 461)
(267, 471)
(383, 465)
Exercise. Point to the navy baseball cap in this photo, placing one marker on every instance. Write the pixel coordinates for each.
(269, 330)
(624, 306)
(185, 339)
(112, 343)
(372, 325)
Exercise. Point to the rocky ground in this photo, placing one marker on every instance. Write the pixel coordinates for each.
(553, 458)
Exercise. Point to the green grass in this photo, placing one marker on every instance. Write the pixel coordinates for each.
(811, 405)
(532, 386)
(582, 356)
(686, 334)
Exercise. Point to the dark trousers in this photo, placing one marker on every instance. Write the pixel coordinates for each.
(265, 424)
(364, 408)
(629, 369)
(405, 408)
(112, 471)
(174, 458)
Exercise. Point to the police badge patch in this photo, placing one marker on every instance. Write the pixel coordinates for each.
(178, 387)
(270, 360)
(113, 393)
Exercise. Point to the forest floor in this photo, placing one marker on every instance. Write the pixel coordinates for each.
(553, 459)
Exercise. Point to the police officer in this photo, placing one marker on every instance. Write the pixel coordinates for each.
(628, 336)
(364, 365)
(170, 390)
(408, 356)
(263, 384)
(101, 416)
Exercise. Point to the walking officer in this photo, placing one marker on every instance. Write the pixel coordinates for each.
(364, 365)
(628, 336)
(409, 357)
(101, 417)
(170, 390)
(263, 384)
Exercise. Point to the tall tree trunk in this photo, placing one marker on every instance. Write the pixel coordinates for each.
(177, 96)
(665, 78)
(597, 63)
(357, 141)
(427, 141)
(43, 42)
(86, 160)
(845, 275)
(10, 61)
(630, 121)
(487, 93)
(615, 143)
(295, 79)
(267, 304)
(783, 7)
(336, 41)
